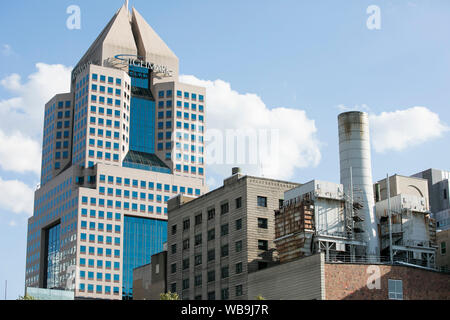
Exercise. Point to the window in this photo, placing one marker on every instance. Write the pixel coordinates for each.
(186, 244)
(212, 295)
(239, 224)
(262, 201)
(198, 280)
(224, 230)
(239, 290)
(280, 203)
(211, 234)
(198, 219)
(263, 245)
(238, 267)
(186, 224)
(238, 203)
(224, 251)
(173, 268)
(198, 239)
(173, 287)
(186, 264)
(224, 208)
(211, 276)
(211, 213)
(174, 249)
(174, 229)
(225, 294)
(238, 246)
(225, 272)
(262, 223)
(443, 248)
(395, 288)
(198, 260)
(211, 255)
(186, 284)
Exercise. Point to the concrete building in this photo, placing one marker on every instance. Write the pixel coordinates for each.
(126, 138)
(218, 239)
(150, 280)
(443, 255)
(412, 230)
(314, 278)
(438, 186)
(442, 220)
(313, 219)
(398, 184)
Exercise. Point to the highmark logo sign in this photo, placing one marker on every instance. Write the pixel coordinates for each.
(137, 61)
(126, 60)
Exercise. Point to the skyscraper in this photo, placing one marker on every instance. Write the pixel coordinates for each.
(126, 138)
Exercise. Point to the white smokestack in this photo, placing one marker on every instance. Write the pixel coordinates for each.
(354, 154)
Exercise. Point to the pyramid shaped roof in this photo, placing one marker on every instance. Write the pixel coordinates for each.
(132, 35)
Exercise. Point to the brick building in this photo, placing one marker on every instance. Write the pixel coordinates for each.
(314, 278)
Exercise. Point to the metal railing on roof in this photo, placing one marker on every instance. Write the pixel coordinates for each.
(420, 263)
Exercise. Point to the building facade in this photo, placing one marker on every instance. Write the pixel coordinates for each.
(126, 138)
(411, 228)
(150, 280)
(439, 188)
(443, 255)
(216, 240)
(316, 217)
(313, 278)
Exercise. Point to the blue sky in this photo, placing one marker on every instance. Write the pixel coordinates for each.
(312, 56)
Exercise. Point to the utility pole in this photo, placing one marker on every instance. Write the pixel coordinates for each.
(389, 217)
(6, 287)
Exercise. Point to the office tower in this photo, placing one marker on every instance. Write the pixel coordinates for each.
(126, 138)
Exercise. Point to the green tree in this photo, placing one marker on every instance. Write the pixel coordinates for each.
(169, 296)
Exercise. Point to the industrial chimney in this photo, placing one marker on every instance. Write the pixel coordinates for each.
(356, 171)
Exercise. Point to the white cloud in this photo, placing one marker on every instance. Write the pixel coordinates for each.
(11, 82)
(19, 153)
(228, 109)
(16, 196)
(402, 129)
(7, 50)
(24, 111)
(21, 116)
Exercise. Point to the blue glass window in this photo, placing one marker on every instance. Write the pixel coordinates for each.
(142, 239)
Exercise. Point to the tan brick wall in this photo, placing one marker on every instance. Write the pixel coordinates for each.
(443, 257)
(349, 282)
